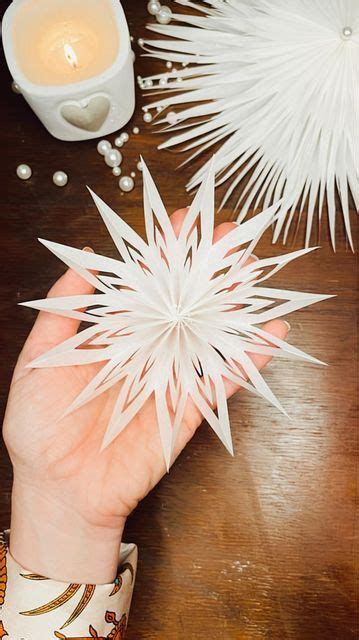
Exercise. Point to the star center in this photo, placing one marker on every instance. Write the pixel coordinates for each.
(177, 315)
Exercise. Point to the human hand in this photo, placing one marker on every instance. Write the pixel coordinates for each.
(71, 501)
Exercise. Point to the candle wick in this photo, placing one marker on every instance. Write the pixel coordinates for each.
(71, 56)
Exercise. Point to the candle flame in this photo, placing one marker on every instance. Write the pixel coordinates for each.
(71, 56)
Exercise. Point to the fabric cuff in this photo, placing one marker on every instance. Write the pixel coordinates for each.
(35, 607)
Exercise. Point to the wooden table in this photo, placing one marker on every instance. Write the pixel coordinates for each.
(259, 546)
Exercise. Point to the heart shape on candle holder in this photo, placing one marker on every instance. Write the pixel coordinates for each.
(89, 114)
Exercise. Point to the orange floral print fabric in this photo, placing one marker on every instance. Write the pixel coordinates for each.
(33, 606)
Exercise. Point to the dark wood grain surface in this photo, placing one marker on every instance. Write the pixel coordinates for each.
(255, 547)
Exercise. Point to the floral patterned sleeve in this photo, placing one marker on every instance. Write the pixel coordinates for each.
(33, 607)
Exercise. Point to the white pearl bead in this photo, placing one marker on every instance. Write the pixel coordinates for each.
(136, 131)
(166, 10)
(347, 32)
(113, 158)
(60, 178)
(140, 42)
(124, 136)
(164, 15)
(153, 7)
(15, 87)
(133, 174)
(148, 83)
(163, 82)
(147, 117)
(169, 64)
(172, 117)
(117, 171)
(24, 172)
(118, 142)
(126, 183)
(103, 147)
(139, 165)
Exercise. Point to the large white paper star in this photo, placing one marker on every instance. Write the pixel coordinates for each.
(176, 316)
(273, 87)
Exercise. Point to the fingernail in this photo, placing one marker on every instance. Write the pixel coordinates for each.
(255, 257)
(288, 325)
(88, 249)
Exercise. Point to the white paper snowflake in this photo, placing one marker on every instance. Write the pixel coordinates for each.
(176, 316)
(274, 85)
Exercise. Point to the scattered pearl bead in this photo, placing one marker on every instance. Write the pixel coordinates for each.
(60, 179)
(126, 183)
(172, 117)
(24, 172)
(124, 136)
(103, 147)
(139, 165)
(163, 82)
(179, 80)
(140, 42)
(147, 117)
(169, 64)
(153, 7)
(164, 15)
(118, 142)
(184, 64)
(113, 158)
(135, 130)
(148, 83)
(116, 171)
(15, 87)
(133, 174)
(347, 32)
(131, 38)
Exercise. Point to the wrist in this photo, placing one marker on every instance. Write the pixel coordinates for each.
(51, 539)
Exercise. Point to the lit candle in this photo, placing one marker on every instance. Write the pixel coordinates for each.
(72, 60)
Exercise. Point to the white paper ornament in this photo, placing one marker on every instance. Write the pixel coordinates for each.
(274, 86)
(175, 316)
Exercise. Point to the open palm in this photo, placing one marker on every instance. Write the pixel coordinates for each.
(63, 458)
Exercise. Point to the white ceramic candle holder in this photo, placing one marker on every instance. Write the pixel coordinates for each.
(82, 110)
